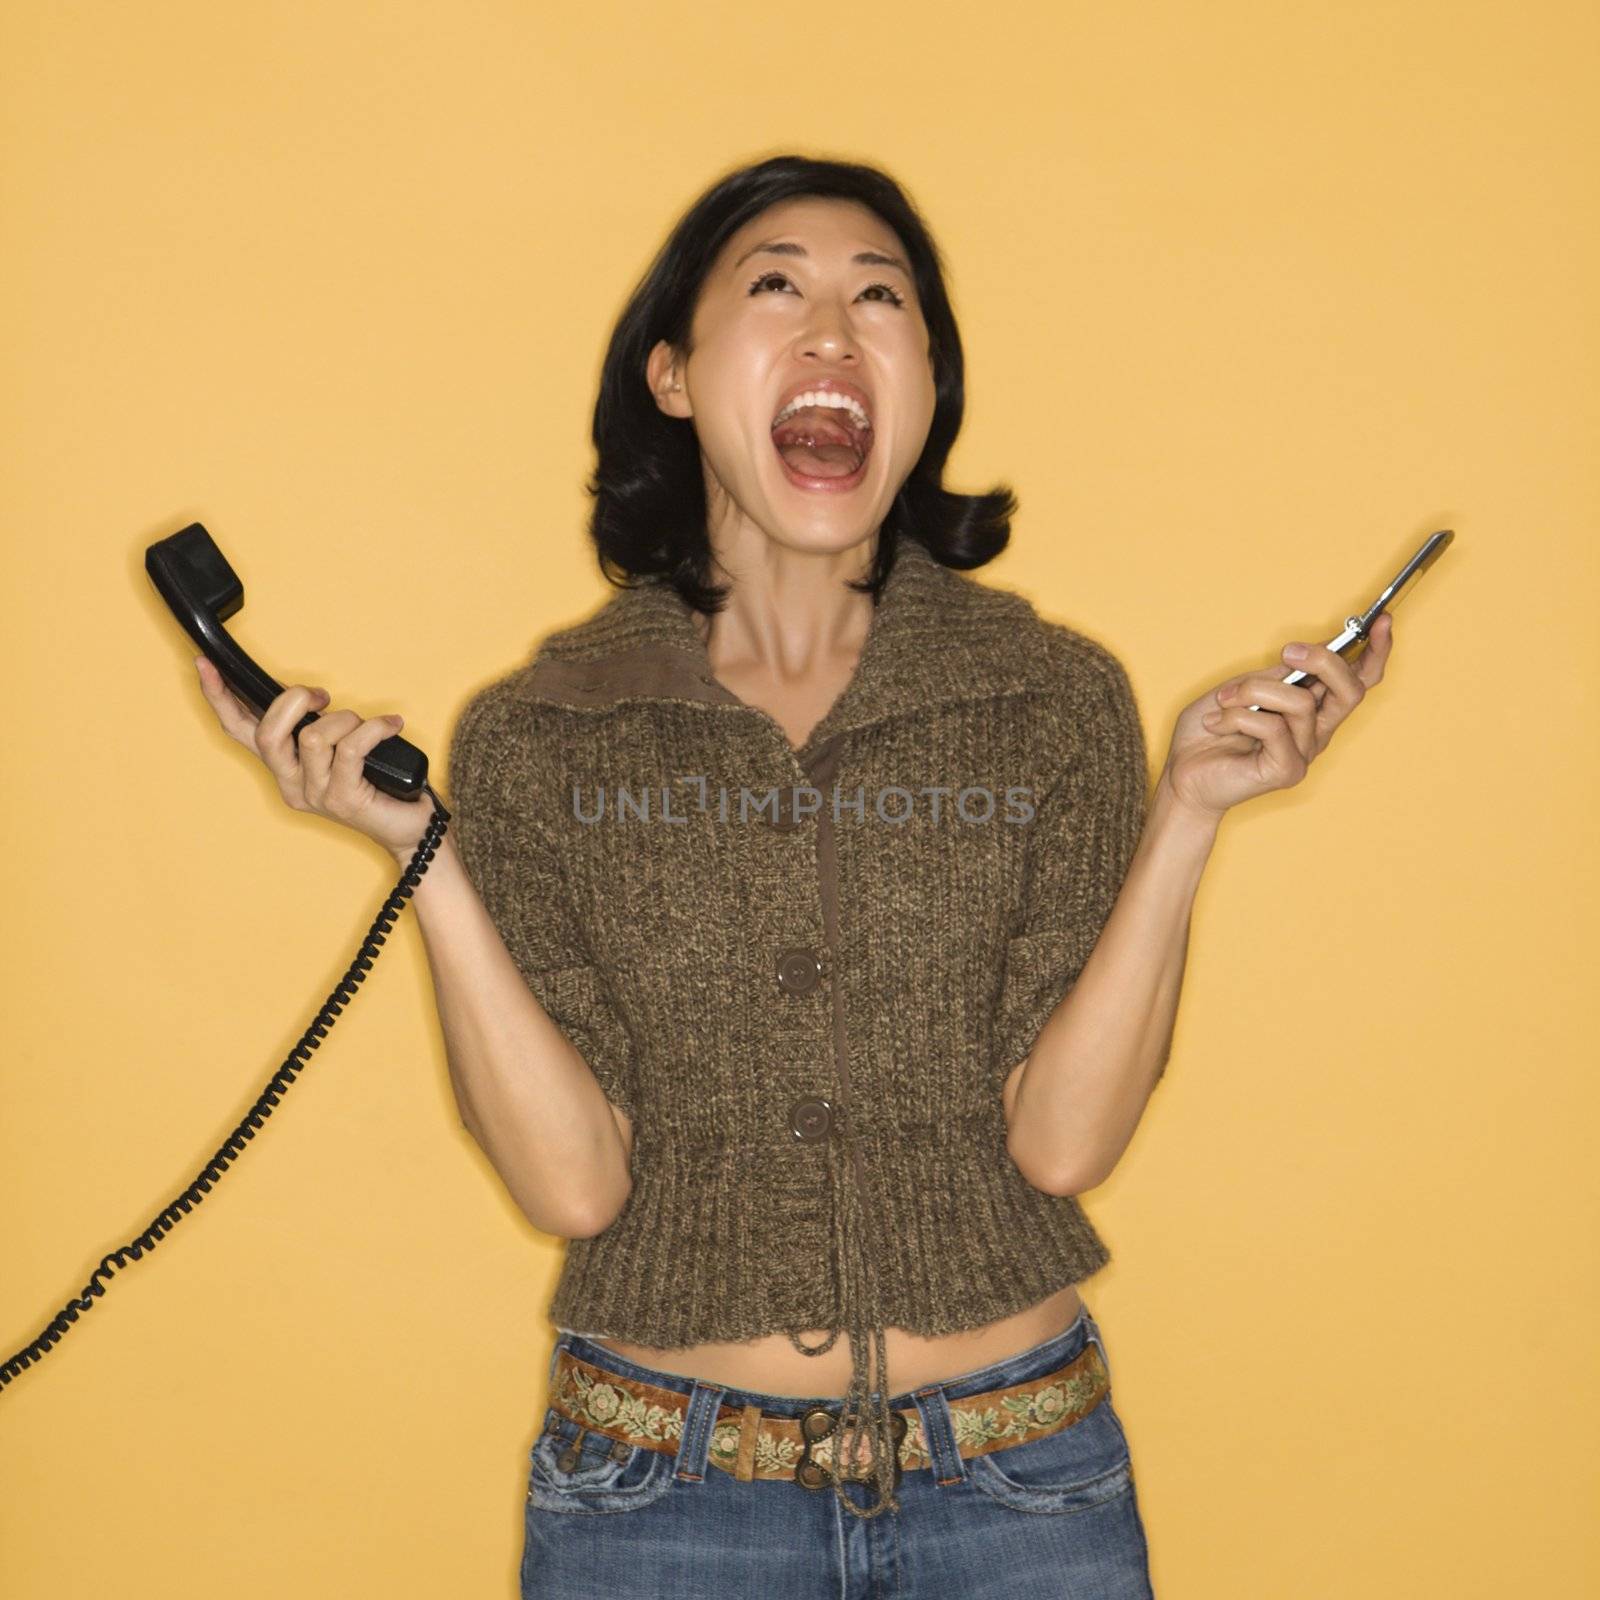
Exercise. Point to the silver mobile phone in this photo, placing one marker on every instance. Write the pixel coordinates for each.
(1353, 640)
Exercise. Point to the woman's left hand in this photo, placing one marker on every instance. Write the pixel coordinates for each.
(1222, 752)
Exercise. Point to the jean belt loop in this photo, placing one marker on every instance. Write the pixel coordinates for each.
(938, 1434)
(699, 1419)
(1093, 1329)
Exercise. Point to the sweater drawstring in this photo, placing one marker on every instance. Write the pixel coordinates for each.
(865, 1407)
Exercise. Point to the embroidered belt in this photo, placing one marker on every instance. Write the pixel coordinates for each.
(750, 1443)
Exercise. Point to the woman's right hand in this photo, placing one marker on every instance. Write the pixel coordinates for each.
(326, 774)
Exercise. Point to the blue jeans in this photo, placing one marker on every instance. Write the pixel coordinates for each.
(1055, 1516)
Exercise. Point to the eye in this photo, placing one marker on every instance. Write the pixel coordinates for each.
(895, 297)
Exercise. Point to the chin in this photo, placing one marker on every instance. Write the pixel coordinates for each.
(833, 522)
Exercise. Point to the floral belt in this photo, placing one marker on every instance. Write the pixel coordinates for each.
(751, 1443)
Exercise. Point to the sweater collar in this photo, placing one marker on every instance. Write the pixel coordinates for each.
(935, 636)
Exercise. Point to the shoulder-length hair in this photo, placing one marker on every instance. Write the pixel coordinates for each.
(649, 516)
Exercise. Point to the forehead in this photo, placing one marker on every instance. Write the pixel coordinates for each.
(824, 225)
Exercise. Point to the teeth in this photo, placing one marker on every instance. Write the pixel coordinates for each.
(826, 397)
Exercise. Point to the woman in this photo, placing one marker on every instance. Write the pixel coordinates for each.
(838, 1073)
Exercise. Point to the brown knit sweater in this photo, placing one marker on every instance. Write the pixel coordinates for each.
(805, 974)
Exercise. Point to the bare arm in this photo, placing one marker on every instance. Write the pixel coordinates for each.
(1074, 1102)
(524, 1092)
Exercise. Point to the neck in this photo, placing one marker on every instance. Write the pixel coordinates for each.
(789, 612)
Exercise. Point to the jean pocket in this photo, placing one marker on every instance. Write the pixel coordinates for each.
(1076, 1467)
(592, 1473)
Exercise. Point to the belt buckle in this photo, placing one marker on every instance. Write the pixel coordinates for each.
(823, 1422)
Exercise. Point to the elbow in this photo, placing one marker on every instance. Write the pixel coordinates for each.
(1047, 1169)
(587, 1224)
(1059, 1177)
(1073, 1180)
(1085, 1179)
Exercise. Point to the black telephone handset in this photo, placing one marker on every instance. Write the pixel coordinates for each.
(202, 590)
(191, 574)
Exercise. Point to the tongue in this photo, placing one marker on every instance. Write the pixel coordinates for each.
(817, 444)
(821, 460)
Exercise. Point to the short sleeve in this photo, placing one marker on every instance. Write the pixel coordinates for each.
(517, 874)
(1081, 842)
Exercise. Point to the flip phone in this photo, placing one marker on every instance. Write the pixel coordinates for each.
(1353, 640)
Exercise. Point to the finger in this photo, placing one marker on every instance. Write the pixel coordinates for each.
(319, 749)
(1245, 689)
(1295, 702)
(1231, 686)
(275, 740)
(1256, 688)
(1332, 669)
(1376, 655)
(1343, 689)
(237, 719)
(1279, 753)
(346, 787)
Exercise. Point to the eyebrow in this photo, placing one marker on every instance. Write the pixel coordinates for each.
(784, 247)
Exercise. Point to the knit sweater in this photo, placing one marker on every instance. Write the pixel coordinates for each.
(805, 974)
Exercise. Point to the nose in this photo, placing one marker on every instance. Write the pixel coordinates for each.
(827, 334)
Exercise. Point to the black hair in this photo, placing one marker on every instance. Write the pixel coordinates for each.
(649, 516)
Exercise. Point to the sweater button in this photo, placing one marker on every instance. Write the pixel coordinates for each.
(782, 818)
(810, 1119)
(799, 971)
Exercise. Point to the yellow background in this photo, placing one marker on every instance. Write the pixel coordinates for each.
(1255, 297)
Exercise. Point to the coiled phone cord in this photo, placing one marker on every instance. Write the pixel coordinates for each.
(172, 1213)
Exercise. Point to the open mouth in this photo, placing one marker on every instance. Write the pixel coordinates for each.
(824, 441)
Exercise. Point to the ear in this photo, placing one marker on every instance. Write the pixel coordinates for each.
(664, 374)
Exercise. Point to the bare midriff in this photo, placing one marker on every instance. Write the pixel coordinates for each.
(772, 1365)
